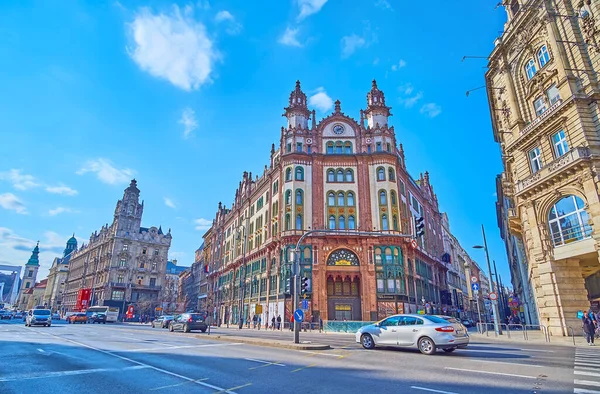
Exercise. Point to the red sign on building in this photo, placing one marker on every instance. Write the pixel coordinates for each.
(83, 299)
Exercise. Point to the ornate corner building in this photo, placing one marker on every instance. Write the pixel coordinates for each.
(338, 174)
(122, 264)
(543, 93)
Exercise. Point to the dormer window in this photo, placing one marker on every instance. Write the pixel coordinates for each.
(543, 56)
(530, 69)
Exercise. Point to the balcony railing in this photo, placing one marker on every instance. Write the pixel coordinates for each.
(118, 284)
(553, 167)
(571, 234)
(146, 287)
(541, 117)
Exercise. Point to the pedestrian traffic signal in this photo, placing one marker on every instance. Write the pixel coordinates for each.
(419, 226)
(287, 289)
(304, 285)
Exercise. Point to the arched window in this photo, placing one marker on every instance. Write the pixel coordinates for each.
(382, 198)
(391, 174)
(349, 175)
(288, 174)
(341, 199)
(393, 197)
(543, 56)
(388, 256)
(351, 223)
(299, 197)
(384, 222)
(330, 176)
(331, 199)
(287, 221)
(288, 197)
(339, 147)
(339, 176)
(380, 174)
(350, 199)
(568, 221)
(299, 173)
(330, 148)
(530, 69)
(298, 222)
(275, 187)
(348, 148)
(342, 223)
(395, 222)
(332, 222)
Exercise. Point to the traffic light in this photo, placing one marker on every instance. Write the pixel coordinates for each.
(287, 289)
(419, 226)
(304, 285)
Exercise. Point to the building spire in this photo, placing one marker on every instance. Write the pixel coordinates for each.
(34, 259)
(377, 112)
(338, 107)
(297, 112)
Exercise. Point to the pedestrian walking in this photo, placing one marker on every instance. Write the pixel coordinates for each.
(292, 323)
(278, 322)
(273, 323)
(588, 328)
(254, 319)
(320, 325)
(259, 321)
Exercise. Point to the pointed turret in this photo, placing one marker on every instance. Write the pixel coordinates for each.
(34, 260)
(71, 246)
(297, 112)
(377, 112)
(338, 107)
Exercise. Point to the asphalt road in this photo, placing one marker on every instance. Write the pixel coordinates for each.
(136, 358)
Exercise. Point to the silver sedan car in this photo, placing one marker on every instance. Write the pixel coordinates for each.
(428, 333)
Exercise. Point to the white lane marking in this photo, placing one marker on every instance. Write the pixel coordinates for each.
(537, 350)
(68, 373)
(176, 385)
(586, 373)
(180, 347)
(265, 362)
(322, 354)
(504, 362)
(587, 383)
(431, 390)
(145, 365)
(492, 373)
(584, 391)
(586, 368)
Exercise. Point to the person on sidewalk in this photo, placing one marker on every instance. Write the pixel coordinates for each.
(259, 321)
(278, 322)
(273, 323)
(292, 323)
(320, 325)
(588, 328)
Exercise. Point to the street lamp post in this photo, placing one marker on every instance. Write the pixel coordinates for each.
(497, 328)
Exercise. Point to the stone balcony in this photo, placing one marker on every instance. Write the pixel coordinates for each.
(514, 221)
(548, 172)
(541, 118)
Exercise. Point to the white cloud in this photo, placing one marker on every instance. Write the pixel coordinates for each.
(189, 122)
(169, 203)
(62, 189)
(321, 100)
(174, 47)
(233, 27)
(376, 61)
(12, 203)
(406, 88)
(106, 172)
(19, 181)
(56, 211)
(351, 43)
(289, 38)
(410, 102)
(384, 4)
(202, 224)
(400, 64)
(309, 7)
(431, 109)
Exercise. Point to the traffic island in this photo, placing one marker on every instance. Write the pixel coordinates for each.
(265, 342)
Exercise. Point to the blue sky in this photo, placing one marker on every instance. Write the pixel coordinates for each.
(185, 96)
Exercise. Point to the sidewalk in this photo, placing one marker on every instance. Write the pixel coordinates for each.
(531, 336)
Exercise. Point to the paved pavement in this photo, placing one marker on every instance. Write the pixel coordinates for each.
(126, 358)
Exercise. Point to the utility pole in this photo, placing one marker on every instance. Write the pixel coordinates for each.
(497, 328)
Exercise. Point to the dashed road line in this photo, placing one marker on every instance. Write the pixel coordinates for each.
(431, 390)
(492, 373)
(60, 374)
(303, 368)
(176, 385)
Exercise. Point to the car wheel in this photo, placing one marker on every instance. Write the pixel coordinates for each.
(103, 322)
(427, 346)
(366, 340)
(186, 328)
(171, 328)
(450, 349)
(203, 329)
(49, 325)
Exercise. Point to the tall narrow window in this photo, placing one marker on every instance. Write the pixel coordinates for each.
(288, 174)
(308, 149)
(288, 197)
(330, 148)
(348, 148)
(299, 197)
(332, 222)
(275, 187)
(378, 147)
(395, 222)
(342, 223)
(299, 222)
(560, 143)
(382, 198)
(388, 147)
(331, 199)
(384, 222)
(391, 174)
(351, 223)
(535, 158)
(340, 200)
(288, 147)
(380, 174)
(330, 176)
(368, 148)
(540, 105)
(287, 221)
(299, 173)
(298, 146)
(393, 197)
(530, 69)
(349, 176)
(543, 56)
(553, 94)
(340, 176)
(350, 199)
(339, 147)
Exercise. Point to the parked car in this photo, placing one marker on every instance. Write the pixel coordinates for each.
(428, 333)
(468, 323)
(5, 315)
(188, 322)
(38, 317)
(19, 315)
(77, 318)
(55, 316)
(97, 318)
(162, 321)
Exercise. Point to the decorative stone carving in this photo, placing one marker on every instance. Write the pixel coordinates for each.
(590, 31)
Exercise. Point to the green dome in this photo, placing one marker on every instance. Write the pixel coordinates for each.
(34, 259)
(72, 240)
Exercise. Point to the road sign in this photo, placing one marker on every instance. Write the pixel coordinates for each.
(493, 296)
(258, 309)
(474, 279)
(475, 286)
(299, 316)
(413, 243)
(445, 309)
(305, 305)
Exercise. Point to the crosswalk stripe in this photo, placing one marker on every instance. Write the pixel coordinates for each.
(586, 368)
(577, 390)
(586, 373)
(587, 383)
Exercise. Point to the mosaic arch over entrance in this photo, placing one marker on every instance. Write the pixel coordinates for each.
(343, 286)
(342, 257)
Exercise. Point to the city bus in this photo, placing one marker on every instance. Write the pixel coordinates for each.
(112, 313)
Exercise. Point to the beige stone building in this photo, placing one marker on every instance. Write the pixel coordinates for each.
(58, 275)
(543, 89)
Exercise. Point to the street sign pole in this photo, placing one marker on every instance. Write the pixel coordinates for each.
(296, 292)
(478, 311)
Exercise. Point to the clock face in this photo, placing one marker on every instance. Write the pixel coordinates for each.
(338, 129)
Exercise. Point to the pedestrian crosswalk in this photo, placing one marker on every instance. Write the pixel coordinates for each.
(587, 370)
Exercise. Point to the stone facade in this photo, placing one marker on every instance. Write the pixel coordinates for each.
(29, 277)
(123, 263)
(338, 174)
(58, 275)
(543, 89)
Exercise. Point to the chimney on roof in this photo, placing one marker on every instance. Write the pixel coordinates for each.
(174, 261)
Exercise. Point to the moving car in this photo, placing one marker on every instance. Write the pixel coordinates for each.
(5, 315)
(79, 317)
(427, 333)
(38, 317)
(55, 316)
(97, 318)
(188, 322)
(162, 321)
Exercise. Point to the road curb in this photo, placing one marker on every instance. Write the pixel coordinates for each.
(269, 343)
(554, 341)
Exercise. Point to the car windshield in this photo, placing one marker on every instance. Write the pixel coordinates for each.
(435, 319)
(196, 316)
(41, 312)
